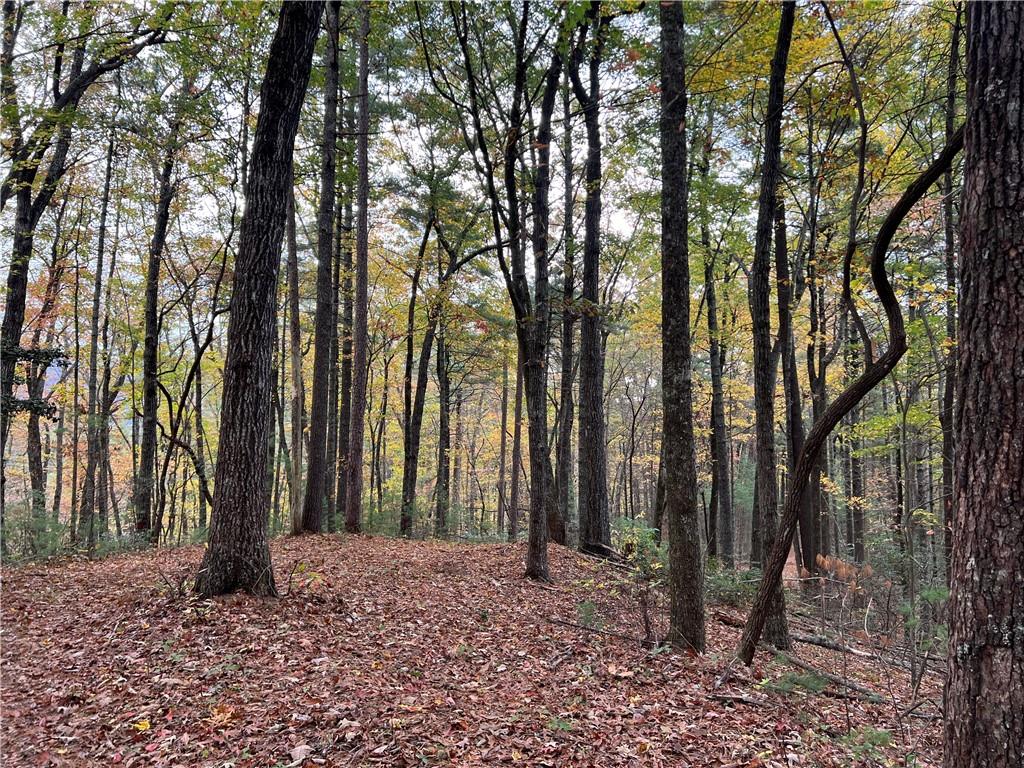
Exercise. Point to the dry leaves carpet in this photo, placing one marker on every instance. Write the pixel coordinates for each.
(398, 653)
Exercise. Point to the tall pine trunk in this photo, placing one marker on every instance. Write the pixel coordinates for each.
(354, 458)
(984, 697)
(315, 502)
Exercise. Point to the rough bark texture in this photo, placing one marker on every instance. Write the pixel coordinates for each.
(315, 503)
(354, 457)
(686, 552)
(595, 527)
(238, 556)
(984, 710)
(777, 632)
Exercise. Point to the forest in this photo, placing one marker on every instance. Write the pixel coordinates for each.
(540, 382)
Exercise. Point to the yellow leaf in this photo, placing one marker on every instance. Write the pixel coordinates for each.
(142, 725)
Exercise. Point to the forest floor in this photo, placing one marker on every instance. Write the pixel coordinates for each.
(397, 653)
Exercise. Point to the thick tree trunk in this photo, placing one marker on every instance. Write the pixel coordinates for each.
(686, 552)
(238, 556)
(595, 526)
(316, 473)
(984, 698)
(354, 457)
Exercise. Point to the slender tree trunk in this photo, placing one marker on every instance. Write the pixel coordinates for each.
(517, 451)
(93, 458)
(444, 437)
(316, 472)
(345, 386)
(777, 632)
(563, 458)
(237, 556)
(984, 697)
(503, 453)
(686, 551)
(144, 486)
(295, 355)
(354, 482)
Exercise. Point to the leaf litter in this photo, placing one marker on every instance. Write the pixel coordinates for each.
(402, 653)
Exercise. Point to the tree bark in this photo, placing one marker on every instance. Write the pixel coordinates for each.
(595, 526)
(315, 502)
(686, 552)
(777, 632)
(144, 482)
(984, 697)
(354, 458)
(237, 556)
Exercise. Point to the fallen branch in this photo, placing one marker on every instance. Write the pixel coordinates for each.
(836, 679)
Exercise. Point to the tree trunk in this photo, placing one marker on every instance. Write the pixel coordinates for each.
(354, 458)
(503, 453)
(686, 552)
(295, 344)
(93, 458)
(444, 437)
(412, 404)
(316, 472)
(517, 451)
(144, 483)
(777, 632)
(984, 701)
(595, 526)
(563, 456)
(237, 556)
